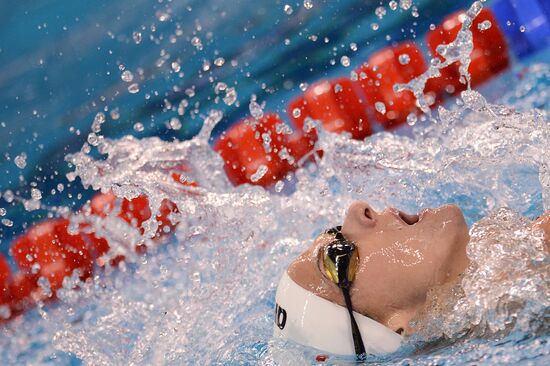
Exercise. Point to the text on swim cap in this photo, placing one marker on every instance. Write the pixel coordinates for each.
(280, 316)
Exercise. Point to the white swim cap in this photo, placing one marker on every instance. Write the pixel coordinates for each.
(308, 319)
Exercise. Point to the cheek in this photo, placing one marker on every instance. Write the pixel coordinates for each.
(397, 273)
(448, 252)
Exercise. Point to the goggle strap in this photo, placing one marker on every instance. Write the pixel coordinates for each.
(356, 333)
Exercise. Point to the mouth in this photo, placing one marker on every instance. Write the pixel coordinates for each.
(408, 219)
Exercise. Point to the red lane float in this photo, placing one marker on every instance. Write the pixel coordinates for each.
(337, 104)
(50, 251)
(342, 105)
(134, 211)
(398, 64)
(21, 289)
(252, 143)
(177, 174)
(489, 55)
(5, 277)
(15, 291)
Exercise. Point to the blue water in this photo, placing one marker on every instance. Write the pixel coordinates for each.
(54, 78)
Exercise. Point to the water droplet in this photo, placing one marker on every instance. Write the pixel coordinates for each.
(404, 59)
(303, 86)
(260, 172)
(99, 118)
(190, 92)
(219, 87)
(414, 12)
(484, 25)
(181, 106)
(133, 88)
(266, 142)
(137, 37)
(522, 28)
(196, 41)
(3, 211)
(9, 196)
(205, 65)
(405, 4)
(7, 222)
(93, 139)
(138, 126)
(344, 60)
(296, 112)
(174, 123)
(21, 161)
(230, 96)
(380, 12)
(60, 187)
(411, 119)
(127, 76)
(196, 277)
(255, 110)
(115, 114)
(36, 194)
(380, 107)
(374, 26)
(353, 46)
(308, 4)
(393, 5)
(288, 9)
(175, 66)
(162, 16)
(219, 61)
(279, 186)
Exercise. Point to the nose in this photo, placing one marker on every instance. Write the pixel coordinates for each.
(359, 217)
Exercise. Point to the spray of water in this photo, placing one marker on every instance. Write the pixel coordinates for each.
(458, 50)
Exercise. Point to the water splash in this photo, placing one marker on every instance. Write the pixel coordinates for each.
(233, 243)
(458, 50)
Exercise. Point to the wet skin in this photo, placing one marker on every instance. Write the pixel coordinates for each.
(400, 258)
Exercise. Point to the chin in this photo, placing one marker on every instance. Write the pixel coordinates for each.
(448, 220)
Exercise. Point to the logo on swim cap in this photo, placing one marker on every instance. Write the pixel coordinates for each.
(280, 316)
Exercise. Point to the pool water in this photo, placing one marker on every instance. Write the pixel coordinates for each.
(206, 295)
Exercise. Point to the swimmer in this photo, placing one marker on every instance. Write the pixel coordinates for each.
(381, 265)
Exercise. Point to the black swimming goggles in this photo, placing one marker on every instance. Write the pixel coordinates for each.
(340, 262)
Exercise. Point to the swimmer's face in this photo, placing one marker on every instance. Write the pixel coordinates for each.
(400, 258)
